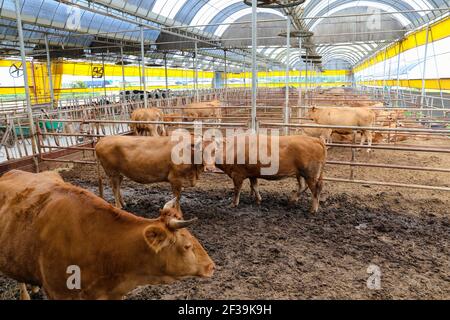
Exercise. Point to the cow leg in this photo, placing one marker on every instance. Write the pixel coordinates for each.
(154, 131)
(176, 190)
(115, 184)
(237, 191)
(24, 295)
(316, 188)
(301, 188)
(368, 135)
(255, 190)
(363, 137)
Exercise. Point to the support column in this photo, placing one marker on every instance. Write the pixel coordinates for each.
(306, 77)
(49, 72)
(300, 112)
(226, 75)
(196, 73)
(26, 85)
(144, 84)
(398, 74)
(165, 71)
(254, 66)
(288, 59)
(123, 70)
(104, 75)
(425, 67)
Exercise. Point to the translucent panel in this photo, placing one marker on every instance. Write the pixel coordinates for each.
(210, 9)
(8, 9)
(372, 4)
(47, 12)
(96, 22)
(132, 5)
(87, 19)
(221, 29)
(60, 17)
(168, 8)
(411, 64)
(31, 9)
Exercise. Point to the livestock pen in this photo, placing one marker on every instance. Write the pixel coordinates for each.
(384, 205)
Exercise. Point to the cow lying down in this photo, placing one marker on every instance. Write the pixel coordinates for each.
(76, 246)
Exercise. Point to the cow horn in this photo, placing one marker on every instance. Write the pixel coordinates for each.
(171, 204)
(175, 224)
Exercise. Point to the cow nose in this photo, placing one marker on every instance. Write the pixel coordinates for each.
(209, 270)
(210, 168)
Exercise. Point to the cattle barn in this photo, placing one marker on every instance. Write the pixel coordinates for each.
(232, 149)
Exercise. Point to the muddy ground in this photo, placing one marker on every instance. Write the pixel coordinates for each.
(278, 251)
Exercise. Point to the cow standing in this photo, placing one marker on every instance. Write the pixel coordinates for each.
(299, 156)
(148, 160)
(346, 116)
(49, 227)
(151, 114)
(198, 111)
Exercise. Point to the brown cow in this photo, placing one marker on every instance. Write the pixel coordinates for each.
(150, 114)
(346, 116)
(147, 160)
(321, 133)
(299, 156)
(336, 91)
(197, 111)
(172, 117)
(51, 232)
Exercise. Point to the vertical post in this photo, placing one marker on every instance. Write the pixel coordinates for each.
(254, 66)
(398, 73)
(196, 72)
(226, 75)
(384, 74)
(143, 68)
(165, 71)
(123, 69)
(306, 78)
(104, 75)
(300, 113)
(288, 60)
(389, 86)
(425, 66)
(49, 71)
(26, 85)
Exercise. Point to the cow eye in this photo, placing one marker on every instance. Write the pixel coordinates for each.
(188, 247)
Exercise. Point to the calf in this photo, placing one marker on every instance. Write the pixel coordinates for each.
(48, 228)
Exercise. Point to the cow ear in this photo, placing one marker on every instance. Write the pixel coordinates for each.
(156, 237)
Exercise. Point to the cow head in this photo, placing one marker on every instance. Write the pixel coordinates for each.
(176, 253)
(208, 148)
(313, 113)
(209, 155)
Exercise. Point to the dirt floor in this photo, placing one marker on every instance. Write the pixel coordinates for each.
(279, 251)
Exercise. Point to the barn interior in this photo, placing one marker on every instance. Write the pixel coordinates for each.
(73, 71)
